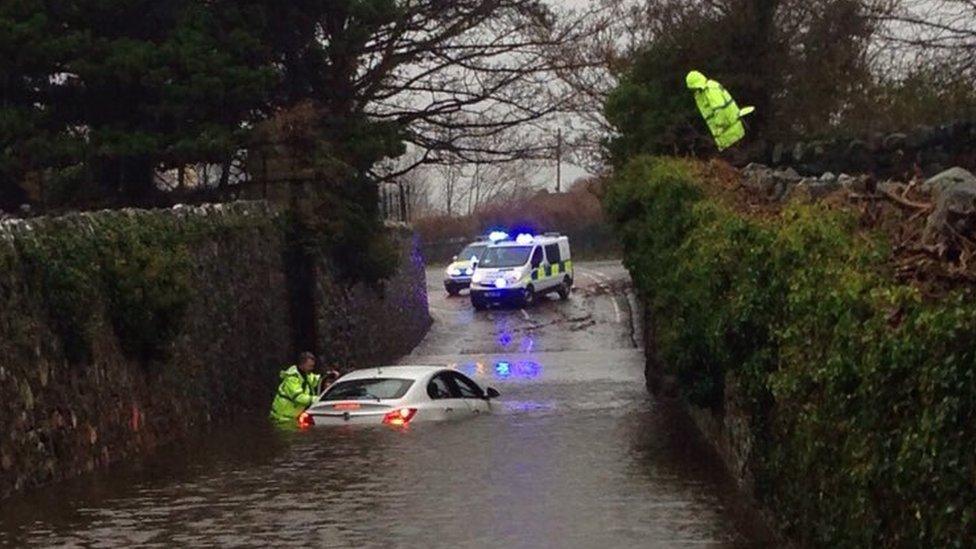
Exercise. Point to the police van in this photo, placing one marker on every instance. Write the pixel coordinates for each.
(457, 276)
(517, 270)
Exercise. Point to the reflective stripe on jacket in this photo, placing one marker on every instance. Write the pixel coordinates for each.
(296, 392)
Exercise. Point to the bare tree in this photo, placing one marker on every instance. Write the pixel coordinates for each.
(489, 183)
(590, 65)
(418, 185)
(453, 75)
(934, 31)
(449, 173)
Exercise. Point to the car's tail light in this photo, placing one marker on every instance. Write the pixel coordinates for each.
(305, 420)
(400, 416)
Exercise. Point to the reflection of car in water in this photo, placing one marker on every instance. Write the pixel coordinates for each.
(518, 270)
(398, 395)
(458, 273)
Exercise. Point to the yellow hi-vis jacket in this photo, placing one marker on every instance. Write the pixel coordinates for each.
(295, 393)
(723, 116)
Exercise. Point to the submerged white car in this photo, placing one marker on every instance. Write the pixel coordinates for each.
(399, 395)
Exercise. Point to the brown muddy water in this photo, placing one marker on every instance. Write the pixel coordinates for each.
(576, 455)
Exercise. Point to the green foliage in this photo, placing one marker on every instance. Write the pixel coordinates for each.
(861, 394)
(151, 83)
(63, 269)
(800, 63)
(341, 224)
(930, 94)
(135, 271)
(145, 271)
(650, 108)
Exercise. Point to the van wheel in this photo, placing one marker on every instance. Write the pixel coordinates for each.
(528, 296)
(564, 289)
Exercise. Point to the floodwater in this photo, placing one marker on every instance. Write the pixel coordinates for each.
(576, 455)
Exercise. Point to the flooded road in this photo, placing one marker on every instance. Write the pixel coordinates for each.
(576, 455)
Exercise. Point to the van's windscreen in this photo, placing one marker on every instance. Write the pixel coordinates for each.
(505, 256)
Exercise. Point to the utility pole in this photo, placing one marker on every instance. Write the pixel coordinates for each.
(477, 185)
(559, 159)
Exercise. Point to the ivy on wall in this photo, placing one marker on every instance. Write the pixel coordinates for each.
(132, 271)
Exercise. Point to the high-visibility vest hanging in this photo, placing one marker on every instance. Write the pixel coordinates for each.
(723, 116)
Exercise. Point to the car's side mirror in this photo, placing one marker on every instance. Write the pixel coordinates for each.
(492, 393)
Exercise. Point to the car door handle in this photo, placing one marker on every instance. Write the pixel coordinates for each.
(448, 409)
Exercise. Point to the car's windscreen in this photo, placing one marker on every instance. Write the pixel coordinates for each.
(368, 389)
(506, 256)
(474, 250)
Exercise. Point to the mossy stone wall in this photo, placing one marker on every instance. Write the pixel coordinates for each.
(121, 330)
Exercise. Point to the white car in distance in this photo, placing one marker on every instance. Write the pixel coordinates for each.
(397, 396)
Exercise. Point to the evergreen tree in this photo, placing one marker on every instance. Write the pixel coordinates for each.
(120, 88)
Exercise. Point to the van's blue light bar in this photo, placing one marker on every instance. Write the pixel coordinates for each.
(498, 236)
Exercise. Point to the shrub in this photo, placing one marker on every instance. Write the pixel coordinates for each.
(861, 393)
(135, 269)
(63, 268)
(145, 276)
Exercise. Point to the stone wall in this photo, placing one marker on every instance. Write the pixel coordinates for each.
(924, 151)
(63, 415)
(360, 326)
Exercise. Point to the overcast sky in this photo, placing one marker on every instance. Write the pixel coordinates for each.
(545, 177)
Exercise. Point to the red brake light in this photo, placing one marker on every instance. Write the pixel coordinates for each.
(399, 417)
(305, 420)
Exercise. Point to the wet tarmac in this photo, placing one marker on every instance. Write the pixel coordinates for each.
(576, 455)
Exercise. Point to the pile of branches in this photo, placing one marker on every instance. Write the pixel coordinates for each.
(933, 238)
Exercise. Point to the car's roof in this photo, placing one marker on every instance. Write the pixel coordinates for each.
(403, 372)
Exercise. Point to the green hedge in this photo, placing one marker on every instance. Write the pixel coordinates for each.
(861, 394)
(131, 269)
(134, 269)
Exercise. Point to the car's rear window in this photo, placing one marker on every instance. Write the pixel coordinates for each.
(368, 389)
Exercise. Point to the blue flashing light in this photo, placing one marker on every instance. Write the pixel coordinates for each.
(524, 239)
(503, 369)
(498, 236)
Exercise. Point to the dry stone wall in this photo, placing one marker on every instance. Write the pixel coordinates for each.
(924, 151)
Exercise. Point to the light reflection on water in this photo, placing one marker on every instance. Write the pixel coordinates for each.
(501, 369)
